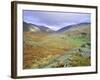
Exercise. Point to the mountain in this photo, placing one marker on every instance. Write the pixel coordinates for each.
(28, 27)
(73, 27)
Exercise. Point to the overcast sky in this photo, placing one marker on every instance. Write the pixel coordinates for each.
(55, 20)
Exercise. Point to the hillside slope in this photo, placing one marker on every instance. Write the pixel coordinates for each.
(69, 48)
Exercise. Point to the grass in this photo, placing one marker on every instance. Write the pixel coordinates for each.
(52, 50)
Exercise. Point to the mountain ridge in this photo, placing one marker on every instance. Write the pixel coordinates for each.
(73, 26)
(37, 28)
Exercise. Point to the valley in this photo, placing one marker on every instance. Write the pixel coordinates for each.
(45, 48)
